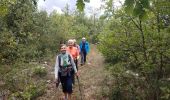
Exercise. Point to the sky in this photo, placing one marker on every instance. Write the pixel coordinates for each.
(58, 5)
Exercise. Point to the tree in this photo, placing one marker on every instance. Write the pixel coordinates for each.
(137, 52)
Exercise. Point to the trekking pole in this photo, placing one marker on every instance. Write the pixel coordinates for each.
(79, 88)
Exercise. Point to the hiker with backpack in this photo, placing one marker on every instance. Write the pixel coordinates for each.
(84, 50)
(75, 53)
(63, 71)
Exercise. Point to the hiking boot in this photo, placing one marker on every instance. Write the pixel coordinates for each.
(81, 64)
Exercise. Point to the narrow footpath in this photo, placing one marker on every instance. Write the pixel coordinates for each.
(92, 75)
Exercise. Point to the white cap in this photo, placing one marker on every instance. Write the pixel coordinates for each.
(83, 38)
(70, 41)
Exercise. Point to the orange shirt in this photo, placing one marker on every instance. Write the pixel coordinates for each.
(73, 51)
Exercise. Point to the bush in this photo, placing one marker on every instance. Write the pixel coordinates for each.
(31, 92)
(40, 71)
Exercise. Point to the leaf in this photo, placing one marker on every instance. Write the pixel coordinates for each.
(137, 9)
(145, 4)
(80, 5)
(144, 15)
(129, 5)
(3, 10)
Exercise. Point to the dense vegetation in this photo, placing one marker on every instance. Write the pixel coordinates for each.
(29, 36)
(134, 40)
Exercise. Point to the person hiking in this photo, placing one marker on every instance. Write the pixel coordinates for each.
(75, 53)
(84, 50)
(78, 49)
(76, 45)
(63, 67)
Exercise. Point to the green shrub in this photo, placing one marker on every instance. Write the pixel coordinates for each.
(40, 71)
(32, 91)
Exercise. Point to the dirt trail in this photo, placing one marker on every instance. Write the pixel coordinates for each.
(91, 78)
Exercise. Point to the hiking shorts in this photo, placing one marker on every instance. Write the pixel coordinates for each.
(66, 82)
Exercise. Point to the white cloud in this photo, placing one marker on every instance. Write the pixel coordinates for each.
(57, 9)
(41, 5)
(95, 3)
(90, 9)
(118, 3)
(50, 5)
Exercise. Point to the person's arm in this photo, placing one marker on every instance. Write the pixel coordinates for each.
(78, 48)
(77, 53)
(56, 68)
(73, 64)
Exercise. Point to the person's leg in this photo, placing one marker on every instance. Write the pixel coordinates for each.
(65, 96)
(63, 80)
(76, 63)
(73, 77)
(85, 54)
(69, 96)
(73, 73)
(69, 87)
(82, 58)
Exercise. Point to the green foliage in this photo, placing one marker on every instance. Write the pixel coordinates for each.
(32, 91)
(40, 71)
(30, 36)
(165, 92)
(4, 6)
(139, 8)
(138, 53)
(80, 5)
(8, 47)
(19, 81)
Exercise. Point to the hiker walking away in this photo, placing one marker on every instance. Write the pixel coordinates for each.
(84, 50)
(63, 67)
(74, 52)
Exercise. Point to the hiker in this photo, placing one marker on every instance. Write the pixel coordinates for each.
(78, 49)
(76, 45)
(75, 53)
(84, 50)
(63, 68)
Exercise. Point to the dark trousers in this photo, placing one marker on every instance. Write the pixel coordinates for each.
(76, 63)
(83, 57)
(66, 82)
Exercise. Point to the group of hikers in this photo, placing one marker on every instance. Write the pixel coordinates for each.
(66, 66)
